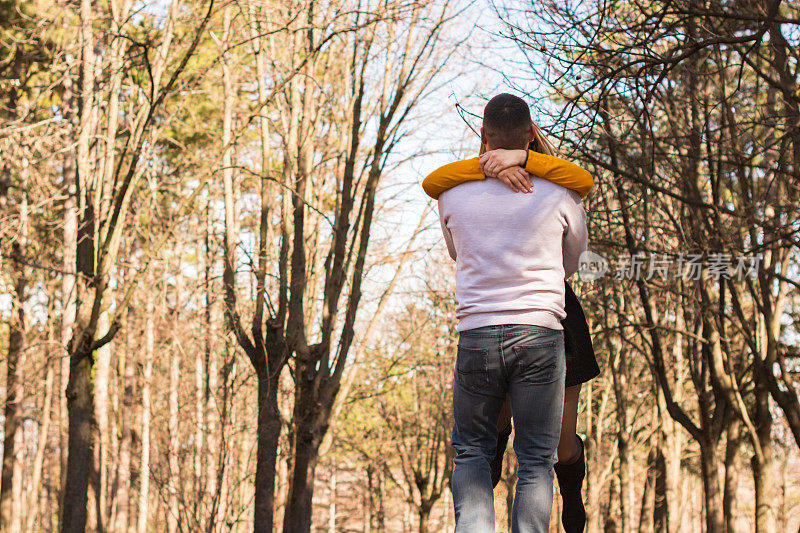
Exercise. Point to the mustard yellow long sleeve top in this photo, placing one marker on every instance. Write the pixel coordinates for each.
(564, 173)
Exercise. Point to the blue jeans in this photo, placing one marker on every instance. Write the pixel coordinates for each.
(526, 362)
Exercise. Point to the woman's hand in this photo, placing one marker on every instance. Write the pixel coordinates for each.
(516, 178)
(493, 161)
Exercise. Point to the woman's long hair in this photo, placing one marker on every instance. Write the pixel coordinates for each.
(540, 143)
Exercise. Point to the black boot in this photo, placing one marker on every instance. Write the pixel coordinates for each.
(496, 465)
(570, 480)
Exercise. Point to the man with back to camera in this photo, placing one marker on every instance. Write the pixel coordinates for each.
(512, 255)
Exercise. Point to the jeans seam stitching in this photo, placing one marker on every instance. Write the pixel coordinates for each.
(503, 354)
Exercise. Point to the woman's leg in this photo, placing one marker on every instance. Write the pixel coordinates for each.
(503, 433)
(505, 416)
(571, 467)
(568, 448)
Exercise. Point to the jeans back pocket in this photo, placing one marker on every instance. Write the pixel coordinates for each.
(537, 363)
(472, 370)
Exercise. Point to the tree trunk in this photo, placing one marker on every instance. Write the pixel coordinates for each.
(762, 464)
(174, 441)
(375, 498)
(14, 379)
(609, 509)
(673, 434)
(763, 484)
(592, 525)
(34, 508)
(268, 433)
(221, 496)
(246, 493)
(200, 419)
(660, 509)
(307, 439)
(212, 439)
(286, 460)
(624, 479)
(13, 457)
(144, 479)
(732, 445)
(80, 408)
(103, 439)
(123, 483)
(647, 507)
(619, 365)
(709, 467)
(424, 514)
(509, 479)
(332, 502)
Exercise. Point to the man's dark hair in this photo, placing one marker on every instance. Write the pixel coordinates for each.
(507, 122)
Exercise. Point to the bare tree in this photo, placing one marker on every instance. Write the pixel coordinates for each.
(105, 186)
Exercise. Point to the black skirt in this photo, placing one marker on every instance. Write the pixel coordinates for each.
(581, 361)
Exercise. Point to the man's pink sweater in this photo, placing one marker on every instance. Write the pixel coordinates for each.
(512, 251)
